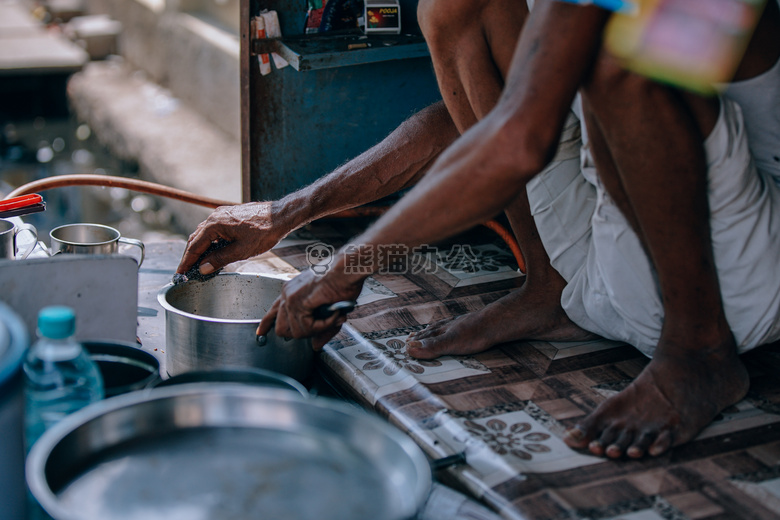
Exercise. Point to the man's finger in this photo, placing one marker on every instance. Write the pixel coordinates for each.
(282, 326)
(323, 331)
(196, 246)
(220, 258)
(267, 323)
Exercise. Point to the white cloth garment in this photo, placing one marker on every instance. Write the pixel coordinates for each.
(612, 289)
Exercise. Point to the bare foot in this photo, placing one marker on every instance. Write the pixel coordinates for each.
(530, 312)
(670, 402)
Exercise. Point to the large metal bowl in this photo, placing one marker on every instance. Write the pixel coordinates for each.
(124, 366)
(226, 451)
(212, 324)
(245, 376)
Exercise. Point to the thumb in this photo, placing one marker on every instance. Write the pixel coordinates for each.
(219, 258)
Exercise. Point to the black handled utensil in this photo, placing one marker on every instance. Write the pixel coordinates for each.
(322, 312)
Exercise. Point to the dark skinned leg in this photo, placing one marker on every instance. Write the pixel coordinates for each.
(647, 144)
(531, 312)
(471, 48)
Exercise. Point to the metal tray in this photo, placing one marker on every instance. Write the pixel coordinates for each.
(226, 451)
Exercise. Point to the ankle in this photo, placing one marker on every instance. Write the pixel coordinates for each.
(703, 343)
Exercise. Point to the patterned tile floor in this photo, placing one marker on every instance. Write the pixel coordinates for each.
(506, 409)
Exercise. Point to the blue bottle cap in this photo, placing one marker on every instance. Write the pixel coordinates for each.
(56, 322)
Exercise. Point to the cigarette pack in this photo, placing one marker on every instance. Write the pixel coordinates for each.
(382, 17)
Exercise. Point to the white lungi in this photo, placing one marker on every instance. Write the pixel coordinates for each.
(612, 289)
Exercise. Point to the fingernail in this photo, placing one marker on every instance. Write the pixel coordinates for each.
(206, 268)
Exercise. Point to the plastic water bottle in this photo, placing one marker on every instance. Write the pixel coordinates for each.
(60, 377)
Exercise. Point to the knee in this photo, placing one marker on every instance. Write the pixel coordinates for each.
(610, 83)
(441, 19)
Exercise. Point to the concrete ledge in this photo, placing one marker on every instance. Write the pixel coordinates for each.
(192, 54)
(203, 69)
(172, 144)
(27, 48)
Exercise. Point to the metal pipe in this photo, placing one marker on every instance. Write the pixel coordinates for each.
(152, 188)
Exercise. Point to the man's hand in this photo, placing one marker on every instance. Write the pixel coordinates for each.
(292, 313)
(250, 229)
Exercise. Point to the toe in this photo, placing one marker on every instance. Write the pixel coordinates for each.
(425, 348)
(584, 433)
(619, 446)
(432, 330)
(662, 444)
(576, 437)
(608, 436)
(641, 444)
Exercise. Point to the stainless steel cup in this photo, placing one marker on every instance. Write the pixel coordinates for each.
(8, 232)
(90, 239)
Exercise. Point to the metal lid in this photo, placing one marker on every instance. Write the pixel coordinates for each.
(13, 342)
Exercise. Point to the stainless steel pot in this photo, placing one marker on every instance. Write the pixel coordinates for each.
(212, 324)
(13, 346)
(246, 376)
(226, 451)
(124, 366)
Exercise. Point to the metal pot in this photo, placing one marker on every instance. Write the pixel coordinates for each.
(14, 341)
(226, 451)
(212, 324)
(124, 366)
(247, 376)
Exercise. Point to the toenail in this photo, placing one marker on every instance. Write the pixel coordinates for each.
(576, 434)
(634, 452)
(414, 344)
(655, 451)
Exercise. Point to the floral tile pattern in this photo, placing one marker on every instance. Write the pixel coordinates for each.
(475, 264)
(503, 446)
(373, 291)
(505, 410)
(391, 357)
(384, 362)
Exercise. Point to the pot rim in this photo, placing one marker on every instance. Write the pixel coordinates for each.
(63, 241)
(163, 300)
(38, 457)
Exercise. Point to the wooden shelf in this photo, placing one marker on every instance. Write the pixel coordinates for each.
(312, 52)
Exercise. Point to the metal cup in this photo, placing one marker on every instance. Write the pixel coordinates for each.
(8, 232)
(90, 239)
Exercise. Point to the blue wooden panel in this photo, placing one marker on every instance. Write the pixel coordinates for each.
(303, 124)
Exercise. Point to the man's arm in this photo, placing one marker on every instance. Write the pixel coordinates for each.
(395, 163)
(481, 172)
(490, 164)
